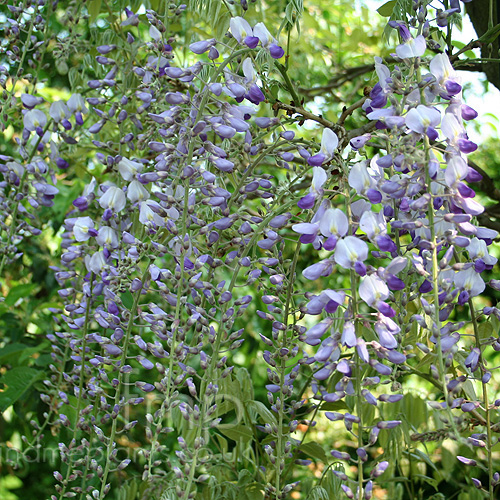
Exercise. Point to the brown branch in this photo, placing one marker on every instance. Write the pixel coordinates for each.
(365, 129)
(473, 44)
(342, 77)
(307, 115)
(291, 109)
(350, 110)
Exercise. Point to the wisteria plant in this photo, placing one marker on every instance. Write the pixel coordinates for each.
(252, 301)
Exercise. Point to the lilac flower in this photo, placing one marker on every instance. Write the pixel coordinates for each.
(378, 95)
(107, 237)
(321, 268)
(137, 192)
(316, 190)
(348, 492)
(350, 251)
(59, 112)
(444, 73)
(35, 120)
(83, 228)
(30, 101)
(329, 143)
(390, 398)
(380, 469)
(456, 170)
(478, 250)
(334, 225)
(360, 179)
(129, 169)
(374, 225)
(315, 333)
(254, 93)
(154, 33)
(105, 49)
(327, 300)
(280, 220)
(132, 19)
(308, 231)
(147, 214)
(268, 41)
(341, 456)
(359, 142)
(324, 353)
(467, 112)
(96, 262)
(114, 199)
(453, 130)
(242, 31)
(469, 281)
(370, 398)
(202, 46)
(372, 289)
(467, 461)
(472, 360)
(265, 122)
(386, 328)
(348, 337)
(413, 47)
(423, 119)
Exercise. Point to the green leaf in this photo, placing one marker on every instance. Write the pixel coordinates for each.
(224, 407)
(17, 381)
(128, 491)
(223, 445)
(314, 450)
(332, 482)
(415, 409)
(254, 491)
(94, 9)
(335, 406)
(29, 351)
(318, 493)
(244, 477)
(429, 480)
(11, 351)
(236, 432)
(127, 299)
(491, 35)
(421, 456)
(265, 413)
(468, 388)
(387, 8)
(293, 13)
(485, 330)
(246, 385)
(19, 292)
(8, 483)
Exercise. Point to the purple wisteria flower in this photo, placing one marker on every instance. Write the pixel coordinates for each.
(316, 190)
(329, 143)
